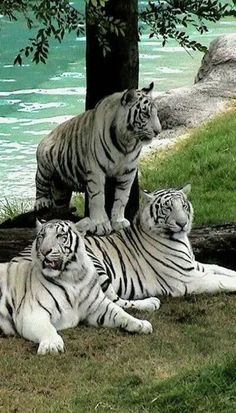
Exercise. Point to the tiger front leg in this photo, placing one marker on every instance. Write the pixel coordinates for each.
(36, 327)
(149, 304)
(98, 221)
(122, 192)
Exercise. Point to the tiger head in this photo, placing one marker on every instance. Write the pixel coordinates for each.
(167, 211)
(57, 244)
(131, 116)
(140, 112)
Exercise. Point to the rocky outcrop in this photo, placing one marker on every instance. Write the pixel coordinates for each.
(215, 85)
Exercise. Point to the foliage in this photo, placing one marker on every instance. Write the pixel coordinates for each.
(171, 18)
(55, 18)
(165, 19)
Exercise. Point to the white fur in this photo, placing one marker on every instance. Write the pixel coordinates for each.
(42, 300)
(98, 144)
(154, 257)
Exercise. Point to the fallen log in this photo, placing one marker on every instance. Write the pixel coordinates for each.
(212, 244)
(215, 244)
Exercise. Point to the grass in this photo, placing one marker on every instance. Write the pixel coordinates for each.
(9, 209)
(207, 160)
(188, 363)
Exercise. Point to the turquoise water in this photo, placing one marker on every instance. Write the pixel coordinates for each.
(34, 99)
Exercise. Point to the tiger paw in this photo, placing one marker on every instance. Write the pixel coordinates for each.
(146, 327)
(120, 224)
(147, 304)
(103, 228)
(54, 345)
(95, 227)
(42, 203)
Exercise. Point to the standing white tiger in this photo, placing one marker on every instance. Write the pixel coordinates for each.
(56, 288)
(102, 142)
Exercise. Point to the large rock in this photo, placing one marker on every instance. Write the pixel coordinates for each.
(215, 85)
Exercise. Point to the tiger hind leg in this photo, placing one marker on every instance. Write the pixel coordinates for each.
(211, 283)
(109, 314)
(61, 194)
(43, 181)
(149, 304)
(146, 304)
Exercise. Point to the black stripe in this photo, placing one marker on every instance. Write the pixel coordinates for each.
(107, 153)
(101, 319)
(9, 308)
(41, 305)
(52, 281)
(54, 299)
(114, 139)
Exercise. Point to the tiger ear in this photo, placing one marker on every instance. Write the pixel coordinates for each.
(128, 96)
(39, 224)
(186, 189)
(149, 88)
(146, 196)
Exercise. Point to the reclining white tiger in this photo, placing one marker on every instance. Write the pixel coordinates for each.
(154, 257)
(102, 142)
(56, 288)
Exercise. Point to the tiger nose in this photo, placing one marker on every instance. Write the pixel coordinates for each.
(46, 251)
(181, 224)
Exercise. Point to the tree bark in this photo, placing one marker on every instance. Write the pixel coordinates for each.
(117, 71)
(214, 244)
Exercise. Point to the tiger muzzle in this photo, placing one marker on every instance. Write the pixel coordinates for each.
(54, 264)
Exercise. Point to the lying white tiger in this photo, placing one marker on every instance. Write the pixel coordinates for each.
(154, 256)
(56, 288)
(103, 142)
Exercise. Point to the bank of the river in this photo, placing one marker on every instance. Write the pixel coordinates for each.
(34, 99)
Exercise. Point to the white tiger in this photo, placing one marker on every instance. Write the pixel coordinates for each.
(102, 142)
(57, 288)
(154, 257)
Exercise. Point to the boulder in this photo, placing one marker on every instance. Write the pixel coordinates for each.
(215, 86)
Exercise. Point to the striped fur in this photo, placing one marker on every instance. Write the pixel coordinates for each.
(103, 142)
(154, 257)
(57, 287)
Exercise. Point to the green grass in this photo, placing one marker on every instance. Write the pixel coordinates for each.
(207, 160)
(9, 209)
(188, 363)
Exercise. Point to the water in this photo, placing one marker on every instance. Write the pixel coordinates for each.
(34, 99)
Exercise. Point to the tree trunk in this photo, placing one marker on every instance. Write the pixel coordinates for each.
(117, 71)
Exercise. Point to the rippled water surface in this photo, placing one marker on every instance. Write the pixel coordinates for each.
(36, 98)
